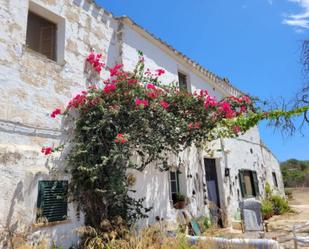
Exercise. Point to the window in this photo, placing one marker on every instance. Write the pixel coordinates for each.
(182, 79)
(275, 179)
(52, 201)
(174, 181)
(41, 35)
(248, 183)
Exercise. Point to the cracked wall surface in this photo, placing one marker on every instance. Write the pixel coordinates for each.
(31, 86)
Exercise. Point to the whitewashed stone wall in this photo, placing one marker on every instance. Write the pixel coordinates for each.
(32, 85)
(236, 153)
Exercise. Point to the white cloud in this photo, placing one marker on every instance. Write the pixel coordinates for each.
(300, 20)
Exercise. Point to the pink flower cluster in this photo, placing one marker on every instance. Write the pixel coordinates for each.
(109, 88)
(55, 112)
(114, 71)
(236, 129)
(95, 61)
(151, 86)
(241, 100)
(226, 109)
(141, 103)
(160, 72)
(47, 150)
(164, 104)
(120, 138)
(210, 102)
(78, 100)
(195, 125)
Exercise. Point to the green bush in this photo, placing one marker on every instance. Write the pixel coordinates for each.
(267, 209)
(204, 223)
(280, 205)
(268, 190)
(273, 204)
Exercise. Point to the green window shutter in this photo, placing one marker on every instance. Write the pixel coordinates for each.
(255, 183)
(242, 183)
(52, 200)
(177, 178)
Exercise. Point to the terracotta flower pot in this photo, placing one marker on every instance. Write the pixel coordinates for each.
(180, 205)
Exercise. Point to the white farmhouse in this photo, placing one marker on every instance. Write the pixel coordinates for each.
(43, 45)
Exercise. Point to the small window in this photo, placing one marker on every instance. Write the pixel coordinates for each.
(275, 179)
(41, 35)
(248, 183)
(182, 79)
(52, 201)
(174, 181)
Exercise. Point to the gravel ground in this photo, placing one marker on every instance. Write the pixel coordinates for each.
(280, 227)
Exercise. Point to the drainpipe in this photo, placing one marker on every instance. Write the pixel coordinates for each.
(226, 181)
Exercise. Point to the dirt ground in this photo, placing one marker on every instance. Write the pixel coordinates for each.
(280, 227)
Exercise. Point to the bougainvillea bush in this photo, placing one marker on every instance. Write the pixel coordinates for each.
(135, 116)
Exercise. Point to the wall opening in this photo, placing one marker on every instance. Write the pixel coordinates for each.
(45, 32)
(248, 183)
(41, 35)
(183, 81)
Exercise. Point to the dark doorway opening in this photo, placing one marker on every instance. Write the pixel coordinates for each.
(213, 190)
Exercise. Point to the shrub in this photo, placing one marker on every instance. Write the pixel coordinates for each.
(180, 197)
(268, 191)
(273, 204)
(280, 205)
(204, 223)
(267, 209)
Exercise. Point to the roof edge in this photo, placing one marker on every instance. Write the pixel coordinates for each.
(215, 80)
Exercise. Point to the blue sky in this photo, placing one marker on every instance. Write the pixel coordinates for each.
(255, 43)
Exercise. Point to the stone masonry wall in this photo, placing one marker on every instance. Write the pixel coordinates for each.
(31, 86)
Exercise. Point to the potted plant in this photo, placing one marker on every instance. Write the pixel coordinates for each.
(180, 201)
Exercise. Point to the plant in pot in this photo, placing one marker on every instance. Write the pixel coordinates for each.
(180, 201)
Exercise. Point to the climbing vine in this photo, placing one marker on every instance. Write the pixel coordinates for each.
(135, 120)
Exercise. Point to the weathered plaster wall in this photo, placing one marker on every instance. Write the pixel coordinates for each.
(156, 57)
(30, 87)
(236, 153)
(155, 186)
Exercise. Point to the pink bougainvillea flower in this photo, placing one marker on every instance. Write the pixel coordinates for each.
(95, 61)
(164, 104)
(132, 81)
(141, 103)
(245, 99)
(152, 95)
(243, 109)
(226, 109)
(151, 86)
(120, 138)
(55, 112)
(114, 71)
(210, 101)
(236, 129)
(47, 150)
(197, 125)
(160, 72)
(148, 73)
(78, 100)
(109, 88)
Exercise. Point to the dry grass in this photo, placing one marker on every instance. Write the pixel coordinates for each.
(152, 238)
